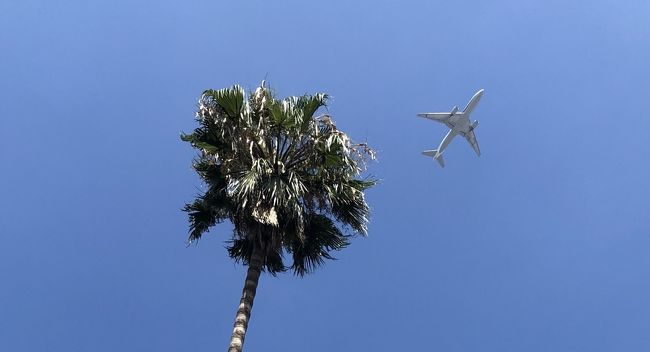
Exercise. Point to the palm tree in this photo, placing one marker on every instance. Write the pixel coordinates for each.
(288, 182)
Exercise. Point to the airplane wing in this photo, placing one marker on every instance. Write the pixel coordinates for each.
(442, 117)
(471, 138)
(436, 116)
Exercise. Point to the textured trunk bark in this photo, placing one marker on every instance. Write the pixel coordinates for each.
(246, 302)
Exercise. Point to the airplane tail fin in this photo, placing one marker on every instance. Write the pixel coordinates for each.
(435, 155)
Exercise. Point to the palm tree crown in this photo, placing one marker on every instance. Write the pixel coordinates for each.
(287, 180)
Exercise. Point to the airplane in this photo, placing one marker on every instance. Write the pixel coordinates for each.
(459, 123)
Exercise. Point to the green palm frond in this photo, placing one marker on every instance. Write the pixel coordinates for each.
(321, 237)
(213, 206)
(206, 211)
(309, 104)
(231, 100)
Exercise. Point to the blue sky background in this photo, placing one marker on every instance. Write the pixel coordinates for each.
(541, 244)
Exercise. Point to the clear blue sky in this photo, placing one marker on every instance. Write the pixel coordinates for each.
(541, 244)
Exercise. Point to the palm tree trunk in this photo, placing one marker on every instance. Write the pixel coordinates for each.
(246, 302)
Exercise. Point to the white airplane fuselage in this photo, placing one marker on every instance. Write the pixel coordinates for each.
(459, 123)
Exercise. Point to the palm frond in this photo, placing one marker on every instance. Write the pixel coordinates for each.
(349, 205)
(213, 206)
(309, 104)
(321, 237)
(231, 100)
(205, 212)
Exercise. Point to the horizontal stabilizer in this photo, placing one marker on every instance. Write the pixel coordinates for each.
(437, 156)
